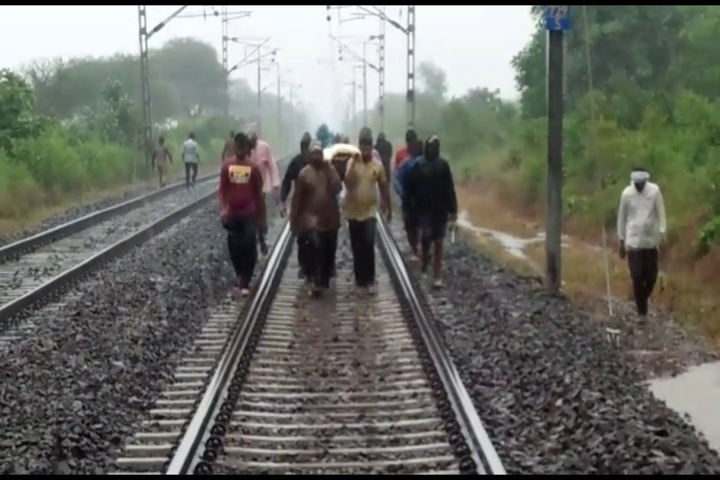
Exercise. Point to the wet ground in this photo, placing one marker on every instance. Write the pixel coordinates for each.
(680, 366)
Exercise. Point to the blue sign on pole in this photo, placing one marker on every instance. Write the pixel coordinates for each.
(557, 17)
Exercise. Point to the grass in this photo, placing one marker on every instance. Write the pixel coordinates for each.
(687, 289)
(37, 215)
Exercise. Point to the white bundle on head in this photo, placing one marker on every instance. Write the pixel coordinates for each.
(315, 146)
(251, 130)
(639, 176)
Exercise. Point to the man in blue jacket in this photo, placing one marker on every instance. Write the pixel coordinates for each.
(415, 152)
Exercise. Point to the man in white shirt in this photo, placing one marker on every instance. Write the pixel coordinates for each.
(190, 158)
(641, 227)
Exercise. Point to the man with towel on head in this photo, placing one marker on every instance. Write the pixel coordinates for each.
(262, 156)
(641, 227)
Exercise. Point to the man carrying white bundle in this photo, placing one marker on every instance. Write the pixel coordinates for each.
(641, 227)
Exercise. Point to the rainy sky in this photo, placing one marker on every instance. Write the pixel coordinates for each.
(473, 44)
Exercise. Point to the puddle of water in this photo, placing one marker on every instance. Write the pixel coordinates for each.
(697, 394)
(512, 244)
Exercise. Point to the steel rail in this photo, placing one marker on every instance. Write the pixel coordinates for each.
(67, 277)
(481, 448)
(186, 456)
(32, 243)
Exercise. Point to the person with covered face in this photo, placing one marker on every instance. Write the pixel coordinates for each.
(298, 162)
(430, 194)
(315, 215)
(364, 177)
(641, 227)
(385, 150)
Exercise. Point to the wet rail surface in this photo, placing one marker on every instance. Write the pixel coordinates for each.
(339, 385)
(32, 271)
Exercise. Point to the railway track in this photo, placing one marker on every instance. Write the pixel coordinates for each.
(292, 385)
(33, 269)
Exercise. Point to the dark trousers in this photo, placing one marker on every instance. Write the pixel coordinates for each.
(242, 245)
(643, 265)
(304, 254)
(412, 229)
(362, 243)
(321, 247)
(191, 170)
(432, 229)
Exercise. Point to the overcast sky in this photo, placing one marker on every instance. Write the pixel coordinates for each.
(473, 44)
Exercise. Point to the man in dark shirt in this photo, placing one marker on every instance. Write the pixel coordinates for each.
(291, 174)
(316, 214)
(242, 207)
(430, 192)
(384, 148)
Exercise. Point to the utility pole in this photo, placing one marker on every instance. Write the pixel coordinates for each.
(145, 87)
(281, 138)
(411, 66)
(259, 92)
(365, 90)
(225, 19)
(381, 73)
(225, 39)
(354, 98)
(557, 22)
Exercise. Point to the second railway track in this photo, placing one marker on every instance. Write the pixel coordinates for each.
(34, 275)
(341, 385)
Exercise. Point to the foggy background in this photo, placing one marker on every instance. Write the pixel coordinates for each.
(472, 44)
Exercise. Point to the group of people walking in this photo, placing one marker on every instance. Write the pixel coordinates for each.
(355, 180)
(331, 184)
(162, 159)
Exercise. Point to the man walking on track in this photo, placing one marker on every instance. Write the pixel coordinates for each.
(384, 148)
(291, 174)
(315, 214)
(262, 156)
(402, 154)
(641, 227)
(190, 158)
(430, 191)
(410, 216)
(161, 158)
(363, 179)
(242, 211)
(229, 148)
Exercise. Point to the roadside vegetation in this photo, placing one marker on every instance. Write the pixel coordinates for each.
(71, 129)
(654, 102)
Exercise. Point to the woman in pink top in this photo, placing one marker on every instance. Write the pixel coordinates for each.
(262, 156)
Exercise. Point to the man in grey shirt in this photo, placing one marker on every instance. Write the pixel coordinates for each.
(190, 158)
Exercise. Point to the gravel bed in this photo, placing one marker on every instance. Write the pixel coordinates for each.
(554, 395)
(78, 211)
(73, 391)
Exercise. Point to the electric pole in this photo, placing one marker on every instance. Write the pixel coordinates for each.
(279, 107)
(381, 73)
(557, 22)
(259, 92)
(225, 19)
(365, 90)
(144, 37)
(411, 66)
(224, 28)
(145, 86)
